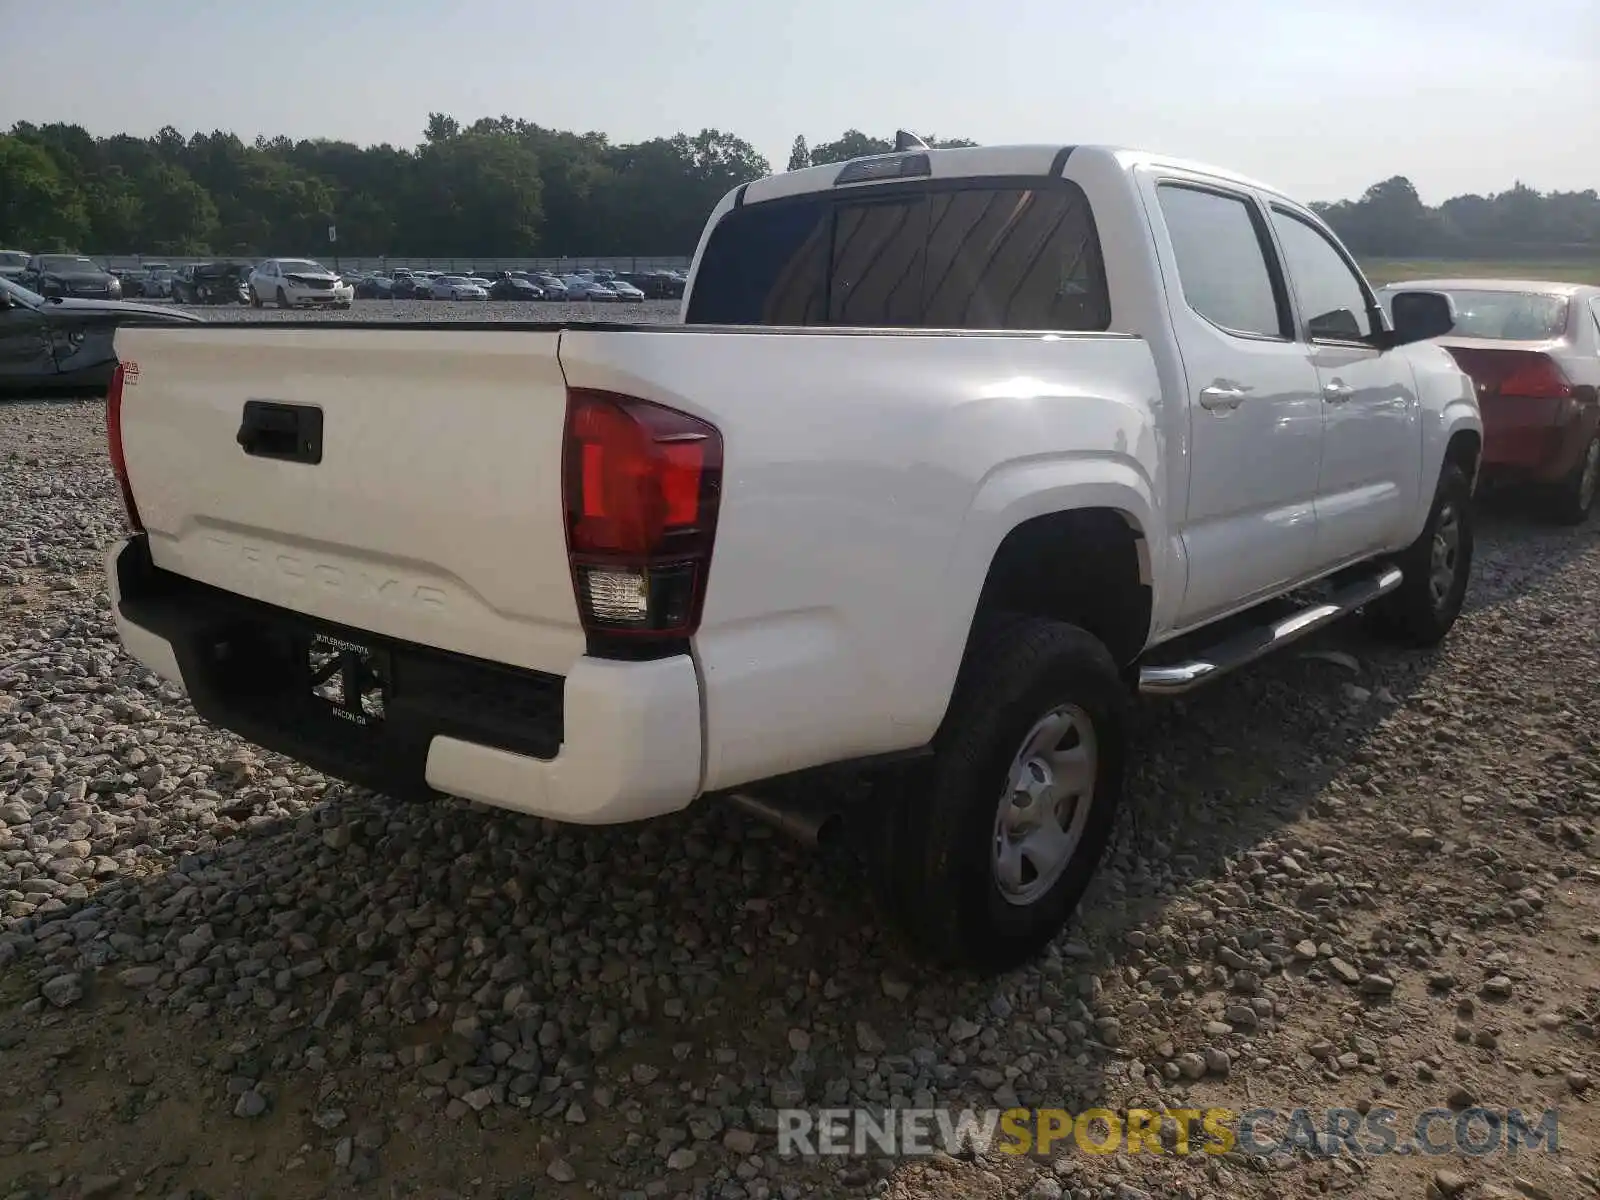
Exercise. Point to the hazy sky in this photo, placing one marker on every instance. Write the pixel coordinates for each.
(1318, 97)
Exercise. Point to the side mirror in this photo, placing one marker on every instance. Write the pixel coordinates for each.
(1419, 316)
(1340, 324)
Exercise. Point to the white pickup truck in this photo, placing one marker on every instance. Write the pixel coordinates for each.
(951, 453)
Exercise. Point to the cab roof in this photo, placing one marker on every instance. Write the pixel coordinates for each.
(979, 161)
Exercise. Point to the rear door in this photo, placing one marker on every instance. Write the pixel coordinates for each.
(432, 511)
(1372, 437)
(1256, 421)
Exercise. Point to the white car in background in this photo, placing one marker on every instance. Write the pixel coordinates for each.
(625, 291)
(586, 287)
(456, 287)
(291, 282)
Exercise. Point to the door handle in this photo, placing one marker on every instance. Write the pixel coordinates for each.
(1221, 397)
(1337, 392)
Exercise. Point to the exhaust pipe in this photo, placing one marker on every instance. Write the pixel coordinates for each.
(811, 825)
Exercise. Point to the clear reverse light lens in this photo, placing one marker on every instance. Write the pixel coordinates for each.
(617, 597)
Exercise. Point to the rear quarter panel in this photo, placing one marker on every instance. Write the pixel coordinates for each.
(869, 478)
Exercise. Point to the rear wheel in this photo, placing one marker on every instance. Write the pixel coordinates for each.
(1575, 495)
(255, 299)
(1436, 567)
(985, 853)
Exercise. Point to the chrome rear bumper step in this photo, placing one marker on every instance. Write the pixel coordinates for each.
(1173, 679)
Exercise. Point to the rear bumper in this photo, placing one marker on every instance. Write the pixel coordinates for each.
(1534, 440)
(611, 742)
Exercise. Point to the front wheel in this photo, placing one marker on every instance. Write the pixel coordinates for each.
(283, 299)
(989, 849)
(1436, 569)
(1574, 498)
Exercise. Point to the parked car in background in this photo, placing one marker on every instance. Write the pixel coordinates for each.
(626, 292)
(551, 285)
(1172, 432)
(291, 282)
(13, 263)
(70, 275)
(511, 286)
(407, 286)
(64, 343)
(587, 287)
(158, 280)
(220, 282)
(456, 287)
(660, 285)
(375, 287)
(1533, 350)
(131, 280)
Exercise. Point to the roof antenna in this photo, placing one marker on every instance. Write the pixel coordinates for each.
(905, 140)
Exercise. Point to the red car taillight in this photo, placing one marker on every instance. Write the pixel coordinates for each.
(119, 464)
(641, 484)
(1537, 376)
(1523, 374)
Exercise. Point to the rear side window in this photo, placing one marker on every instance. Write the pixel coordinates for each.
(1222, 263)
(964, 257)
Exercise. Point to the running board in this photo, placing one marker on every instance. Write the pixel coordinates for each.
(1176, 678)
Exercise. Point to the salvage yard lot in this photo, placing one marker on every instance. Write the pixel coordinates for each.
(1346, 876)
(1392, 270)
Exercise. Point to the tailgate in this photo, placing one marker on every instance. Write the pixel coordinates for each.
(435, 513)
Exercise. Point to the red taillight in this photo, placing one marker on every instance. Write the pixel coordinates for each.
(119, 463)
(1525, 374)
(641, 483)
(1538, 376)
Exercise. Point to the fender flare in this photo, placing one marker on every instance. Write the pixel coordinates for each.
(1019, 491)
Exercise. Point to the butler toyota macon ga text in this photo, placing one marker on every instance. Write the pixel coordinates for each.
(952, 451)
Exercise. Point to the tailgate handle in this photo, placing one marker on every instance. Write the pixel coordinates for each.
(289, 432)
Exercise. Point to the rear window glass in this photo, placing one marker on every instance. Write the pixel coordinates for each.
(963, 257)
(1506, 316)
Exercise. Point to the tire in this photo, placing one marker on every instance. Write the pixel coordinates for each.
(255, 299)
(283, 299)
(1575, 495)
(1437, 567)
(964, 888)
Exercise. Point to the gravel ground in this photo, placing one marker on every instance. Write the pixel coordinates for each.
(1349, 876)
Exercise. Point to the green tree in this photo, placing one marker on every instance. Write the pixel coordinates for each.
(851, 144)
(476, 194)
(503, 185)
(40, 209)
(179, 216)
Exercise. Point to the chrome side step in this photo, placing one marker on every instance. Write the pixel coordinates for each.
(1175, 678)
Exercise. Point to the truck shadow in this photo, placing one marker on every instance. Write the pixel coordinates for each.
(696, 954)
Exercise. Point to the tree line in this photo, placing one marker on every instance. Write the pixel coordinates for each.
(507, 187)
